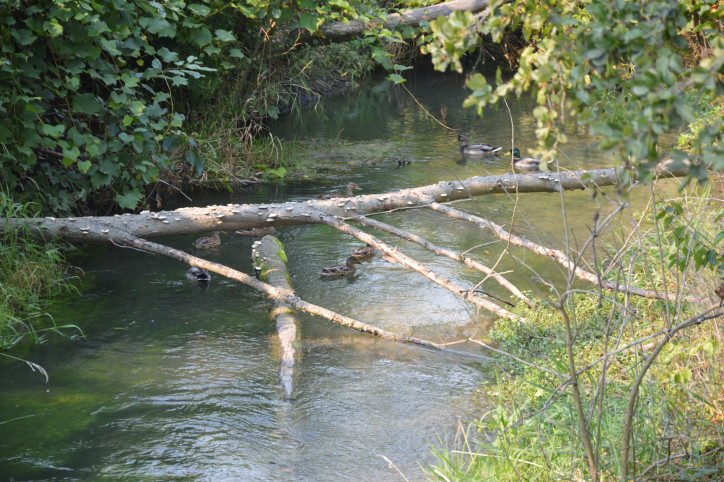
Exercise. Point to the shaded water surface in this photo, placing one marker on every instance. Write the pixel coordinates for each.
(174, 381)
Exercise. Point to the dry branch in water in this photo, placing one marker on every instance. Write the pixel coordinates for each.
(448, 253)
(232, 217)
(555, 254)
(420, 268)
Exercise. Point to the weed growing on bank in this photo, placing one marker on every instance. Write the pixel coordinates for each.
(31, 272)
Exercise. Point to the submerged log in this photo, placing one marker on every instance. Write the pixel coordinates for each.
(270, 261)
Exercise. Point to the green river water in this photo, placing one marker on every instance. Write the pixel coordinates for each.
(176, 382)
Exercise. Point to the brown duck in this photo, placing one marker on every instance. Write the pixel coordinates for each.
(212, 241)
(339, 270)
(364, 252)
(350, 187)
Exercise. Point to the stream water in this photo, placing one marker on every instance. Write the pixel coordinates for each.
(177, 382)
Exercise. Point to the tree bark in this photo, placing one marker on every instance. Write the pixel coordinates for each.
(231, 217)
(273, 270)
(341, 31)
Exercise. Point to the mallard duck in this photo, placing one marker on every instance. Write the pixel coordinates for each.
(339, 270)
(524, 163)
(350, 187)
(212, 241)
(364, 252)
(258, 232)
(476, 149)
(198, 275)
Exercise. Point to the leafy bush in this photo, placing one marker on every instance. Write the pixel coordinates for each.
(94, 94)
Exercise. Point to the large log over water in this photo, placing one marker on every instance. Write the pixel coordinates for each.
(101, 229)
(273, 270)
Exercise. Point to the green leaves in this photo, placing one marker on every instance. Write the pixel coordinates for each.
(86, 104)
(614, 64)
(89, 106)
(453, 36)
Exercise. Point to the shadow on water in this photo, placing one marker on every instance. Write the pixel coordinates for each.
(179, 382)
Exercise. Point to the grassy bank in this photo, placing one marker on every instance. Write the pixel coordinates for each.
(31, 274)
(533, 430)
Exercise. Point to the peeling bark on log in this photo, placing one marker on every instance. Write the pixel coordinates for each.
(231, 217)
(125, 239)
(471, 263)
(555, 254)
(340, 31)
(420, 268)
(273, 270)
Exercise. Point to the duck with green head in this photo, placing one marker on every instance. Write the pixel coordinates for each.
(476, 149)
(524, 163)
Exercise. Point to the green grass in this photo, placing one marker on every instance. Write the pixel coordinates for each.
(31, 273)
(531, 430)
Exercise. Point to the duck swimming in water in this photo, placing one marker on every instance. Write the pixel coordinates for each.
(339, 270)
(524, 163)
(212, 241)
(350, 187)
(476, 149)
(364, 252)
(198, 275)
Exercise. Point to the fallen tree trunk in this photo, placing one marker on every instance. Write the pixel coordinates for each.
(273, 270)
(341, 31)
(555, 254)
(231, 217)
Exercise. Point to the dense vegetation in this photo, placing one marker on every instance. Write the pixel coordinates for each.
(99, 98)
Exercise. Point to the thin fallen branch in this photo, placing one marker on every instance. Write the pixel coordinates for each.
(418, 267)
(286, 296)
(555, 254)
(471, 263)
(519, 360)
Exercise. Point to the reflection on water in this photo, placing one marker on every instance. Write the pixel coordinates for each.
(174, 381)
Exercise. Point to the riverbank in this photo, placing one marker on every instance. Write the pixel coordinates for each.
(533, 428)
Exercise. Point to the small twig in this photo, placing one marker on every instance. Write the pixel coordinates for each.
(391, 464)
(519, 360)
(174, 187)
